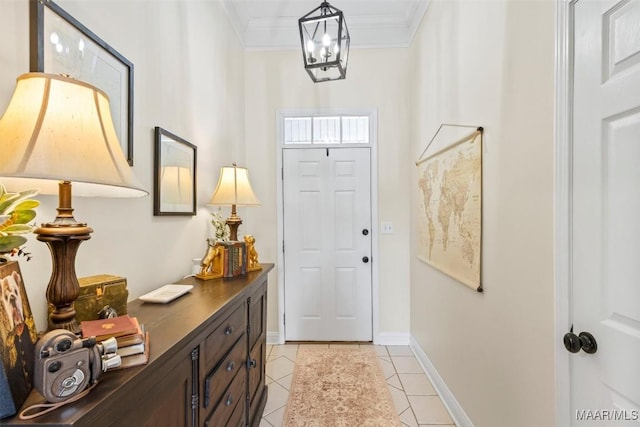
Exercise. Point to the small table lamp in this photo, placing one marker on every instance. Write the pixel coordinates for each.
(57, 130)
(234, 190)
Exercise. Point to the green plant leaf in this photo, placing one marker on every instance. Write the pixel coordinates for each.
(29, 193)
(16, 203)
(26, 204)
(16, 211)
(7, 200)
(8, 243)
(23, 217)
(18, 229)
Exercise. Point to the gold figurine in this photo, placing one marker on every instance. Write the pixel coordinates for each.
(211, 265)
(252, 254)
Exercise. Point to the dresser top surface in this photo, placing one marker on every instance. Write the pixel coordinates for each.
(171, 327)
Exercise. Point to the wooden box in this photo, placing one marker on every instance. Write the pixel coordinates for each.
(96, 292)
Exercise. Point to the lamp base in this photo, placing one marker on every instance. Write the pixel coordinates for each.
(233, 222)
(63, 288)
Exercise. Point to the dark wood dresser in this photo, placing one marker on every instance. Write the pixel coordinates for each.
(206, 366)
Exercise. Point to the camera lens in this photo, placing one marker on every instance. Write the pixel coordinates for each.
(63, 345)
(54, 367)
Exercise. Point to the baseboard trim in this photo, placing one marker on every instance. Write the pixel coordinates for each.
(392, 338)
(273, 338)
(448, 399)
(384, 338)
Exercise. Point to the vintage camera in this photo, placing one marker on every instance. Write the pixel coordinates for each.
(66, 365)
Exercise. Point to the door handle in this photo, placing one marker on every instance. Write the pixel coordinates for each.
(365, 259)
(583, 341)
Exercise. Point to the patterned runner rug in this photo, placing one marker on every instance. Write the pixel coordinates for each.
(339, 387)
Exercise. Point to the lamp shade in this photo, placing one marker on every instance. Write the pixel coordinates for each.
(325, 43)
(234, 188)
(57, 128)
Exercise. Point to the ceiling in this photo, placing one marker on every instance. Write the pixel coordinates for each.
(273, 24)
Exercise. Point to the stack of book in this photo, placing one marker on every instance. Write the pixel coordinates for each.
(132, 339)
(235, 258)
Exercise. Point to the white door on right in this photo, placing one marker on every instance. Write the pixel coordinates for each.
(605, 244)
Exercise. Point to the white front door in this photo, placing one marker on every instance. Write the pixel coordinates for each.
(605, 219)
(327, 244)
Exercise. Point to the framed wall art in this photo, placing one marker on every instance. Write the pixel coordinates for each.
(17, 340)
(450, 188)
(60, 44)
(174, 181)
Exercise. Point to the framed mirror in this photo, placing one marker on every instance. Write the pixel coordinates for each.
(174, 182)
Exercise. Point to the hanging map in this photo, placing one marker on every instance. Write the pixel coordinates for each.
(450, 224)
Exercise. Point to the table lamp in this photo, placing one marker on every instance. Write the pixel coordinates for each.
(234, 189)
(57, 131)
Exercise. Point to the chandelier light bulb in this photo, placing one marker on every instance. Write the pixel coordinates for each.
(336, 49)
(310, 46)
(326, 40)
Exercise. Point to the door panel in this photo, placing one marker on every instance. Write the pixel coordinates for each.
(327, 204)
(606, 207)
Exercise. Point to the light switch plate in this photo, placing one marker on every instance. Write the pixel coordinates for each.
(387, 227)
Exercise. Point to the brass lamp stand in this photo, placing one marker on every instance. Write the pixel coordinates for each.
(63, 237)
(233, 222)
(57, 130)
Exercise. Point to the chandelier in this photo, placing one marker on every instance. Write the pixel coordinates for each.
(325, 43)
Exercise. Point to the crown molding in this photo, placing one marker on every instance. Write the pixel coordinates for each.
(367, 31)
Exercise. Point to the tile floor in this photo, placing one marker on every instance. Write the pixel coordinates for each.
(415, 399)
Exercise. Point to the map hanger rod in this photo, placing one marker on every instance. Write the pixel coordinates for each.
(478, 130)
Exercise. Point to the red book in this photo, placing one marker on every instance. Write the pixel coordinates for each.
(103, 329)
(131, 339)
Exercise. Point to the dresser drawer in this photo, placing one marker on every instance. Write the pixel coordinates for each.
(233, 396)
(218, 343)
(220, 377)
(239, 416)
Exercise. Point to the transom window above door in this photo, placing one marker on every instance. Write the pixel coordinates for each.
(335, 129)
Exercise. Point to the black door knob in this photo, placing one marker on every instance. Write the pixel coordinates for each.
(365, 232)
(572, 342)
(365, 259)
(583, 341)
(589, 344)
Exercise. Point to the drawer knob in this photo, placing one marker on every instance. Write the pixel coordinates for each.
(229, 400)
(230, 366)
(228, 330)
(251, 363)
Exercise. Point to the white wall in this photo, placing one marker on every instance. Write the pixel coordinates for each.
(491, 63)
(376, 78)
(189, 80)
